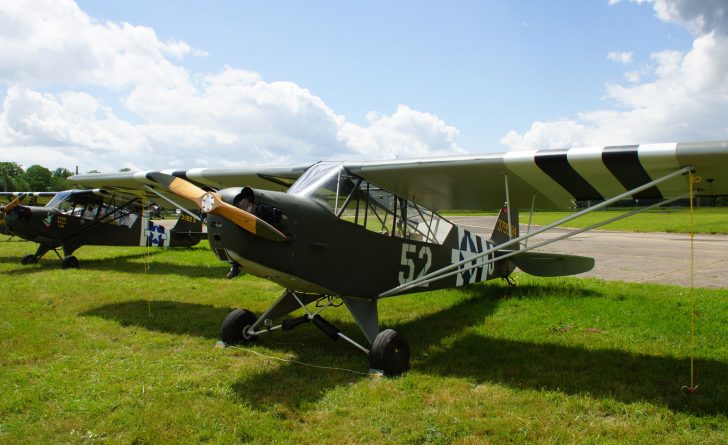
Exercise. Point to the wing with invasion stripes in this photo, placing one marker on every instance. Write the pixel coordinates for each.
(555, 177)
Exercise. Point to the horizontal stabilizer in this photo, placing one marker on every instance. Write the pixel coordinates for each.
(545, 264)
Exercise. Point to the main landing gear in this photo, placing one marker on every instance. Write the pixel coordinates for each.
(389, 353)
(67, 262)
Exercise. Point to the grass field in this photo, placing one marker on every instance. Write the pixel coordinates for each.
(707, 220)
(109, 354)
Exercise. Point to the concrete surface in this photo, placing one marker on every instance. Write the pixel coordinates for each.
(662, 258)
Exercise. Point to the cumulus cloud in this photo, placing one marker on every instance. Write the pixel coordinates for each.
(624, 57)
(172, 117)
(686, 98)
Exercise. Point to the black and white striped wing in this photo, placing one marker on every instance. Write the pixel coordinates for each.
(555, 177)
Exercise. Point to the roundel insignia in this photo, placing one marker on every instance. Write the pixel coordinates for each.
(208, 201)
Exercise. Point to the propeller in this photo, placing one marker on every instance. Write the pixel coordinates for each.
(211, 202)
(14, 203)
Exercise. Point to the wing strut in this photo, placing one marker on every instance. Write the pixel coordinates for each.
(445, 271)
(508, 206)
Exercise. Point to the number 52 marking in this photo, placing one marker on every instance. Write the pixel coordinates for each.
(409, 253)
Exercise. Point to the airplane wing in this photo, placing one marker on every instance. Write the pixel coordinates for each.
(37, 198)
(133, 183)
(554, 177)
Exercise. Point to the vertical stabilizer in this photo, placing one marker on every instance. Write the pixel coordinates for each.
(187, 232)
(500, 231)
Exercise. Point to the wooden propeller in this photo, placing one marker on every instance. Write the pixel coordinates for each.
(211, 202)
(14, 203)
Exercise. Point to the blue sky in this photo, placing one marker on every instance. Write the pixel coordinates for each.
(404, 78)
(485, 67)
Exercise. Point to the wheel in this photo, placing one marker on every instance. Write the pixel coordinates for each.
(390, 353)
(234, 326)
(70, 262)
(28, 259)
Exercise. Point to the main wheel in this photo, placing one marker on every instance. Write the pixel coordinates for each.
(70, 262)
(28, 259)
(390, 353)
(234, 326)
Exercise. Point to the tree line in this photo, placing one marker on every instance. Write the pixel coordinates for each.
(35, 178)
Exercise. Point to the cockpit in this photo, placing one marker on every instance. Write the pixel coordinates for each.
(353, 199)
(88, 205)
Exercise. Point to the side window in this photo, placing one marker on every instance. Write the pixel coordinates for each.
(380, 211)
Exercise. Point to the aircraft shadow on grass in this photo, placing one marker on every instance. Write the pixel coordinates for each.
(573, 370)
(124, 263)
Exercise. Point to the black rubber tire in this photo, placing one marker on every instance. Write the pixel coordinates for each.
(234, 326)
(28, 259)
(390, 353)
(70, 262)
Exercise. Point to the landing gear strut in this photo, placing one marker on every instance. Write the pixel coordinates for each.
(389, 354)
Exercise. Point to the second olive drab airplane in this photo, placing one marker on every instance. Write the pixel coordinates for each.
(358, 232)
(75, 218)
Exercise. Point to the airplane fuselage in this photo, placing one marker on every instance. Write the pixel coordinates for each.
(52, 228)
(331, 255)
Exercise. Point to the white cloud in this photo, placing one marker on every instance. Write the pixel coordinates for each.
(623, 57)
(685, 99)
(175, 118)
(406, 133)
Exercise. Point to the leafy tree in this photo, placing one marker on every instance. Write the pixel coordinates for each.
(59, 179)
(10, 176)
(39, 178)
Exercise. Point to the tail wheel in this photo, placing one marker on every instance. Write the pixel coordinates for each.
(390, 353)
(235, 325)
(70, 262)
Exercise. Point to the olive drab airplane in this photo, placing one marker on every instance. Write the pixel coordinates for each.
(74, 218)
(355, 233)
(33, 199)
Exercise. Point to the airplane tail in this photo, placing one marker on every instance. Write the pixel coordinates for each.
(187, 232)
(500, 231)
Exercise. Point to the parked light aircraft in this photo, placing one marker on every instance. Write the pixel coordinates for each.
(359, 232)
(74, 218)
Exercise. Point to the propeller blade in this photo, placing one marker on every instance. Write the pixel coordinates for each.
(210, 202)
(14, 203)
(180, 187)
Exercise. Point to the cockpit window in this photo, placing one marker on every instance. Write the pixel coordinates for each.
(59, 199)
(355, 200)
(84, 204)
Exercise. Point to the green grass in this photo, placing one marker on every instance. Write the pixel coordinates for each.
(706, 220)
(109, 354)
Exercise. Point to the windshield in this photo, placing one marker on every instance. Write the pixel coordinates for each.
(57, 200)
(355, 200)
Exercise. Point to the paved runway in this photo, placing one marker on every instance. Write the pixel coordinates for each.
(638, 257)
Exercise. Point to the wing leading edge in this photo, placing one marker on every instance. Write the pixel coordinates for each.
(554, 177)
